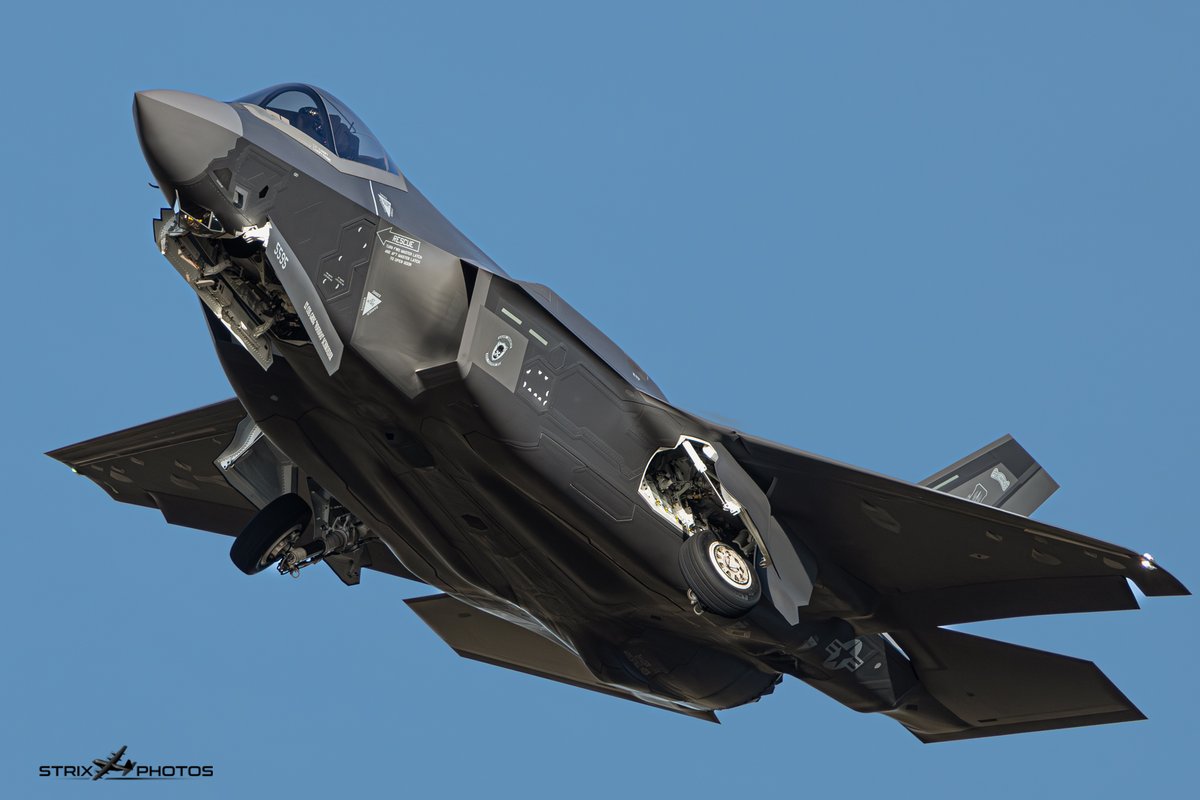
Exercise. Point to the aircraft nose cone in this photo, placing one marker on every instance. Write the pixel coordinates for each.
(181, 133)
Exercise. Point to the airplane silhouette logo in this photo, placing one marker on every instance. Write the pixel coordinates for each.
(113, 762)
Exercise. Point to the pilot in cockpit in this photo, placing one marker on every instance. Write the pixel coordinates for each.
(308, 120)
(324, 119)
(344, 138)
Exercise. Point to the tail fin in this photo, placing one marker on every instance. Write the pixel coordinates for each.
(1003, 475)
(992, 688)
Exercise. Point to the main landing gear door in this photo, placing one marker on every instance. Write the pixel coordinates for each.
(255, 467)
(790, 569)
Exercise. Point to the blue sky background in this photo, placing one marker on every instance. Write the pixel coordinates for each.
(913, 228)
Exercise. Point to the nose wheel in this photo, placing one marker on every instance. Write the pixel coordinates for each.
(719, 577)
(271, 534)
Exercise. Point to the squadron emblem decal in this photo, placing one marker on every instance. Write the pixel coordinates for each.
(999, 477)
(503, 344)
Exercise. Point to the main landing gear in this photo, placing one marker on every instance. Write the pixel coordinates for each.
(276, 533)
(274, 529)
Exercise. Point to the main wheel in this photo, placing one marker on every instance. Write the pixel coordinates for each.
(719, 575)
(261, 543)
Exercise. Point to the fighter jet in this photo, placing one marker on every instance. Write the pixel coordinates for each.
(403, 404)
(107, 765)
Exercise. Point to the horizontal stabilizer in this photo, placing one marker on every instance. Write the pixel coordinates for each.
(994, 688)
(484, 637)
(1002, 475)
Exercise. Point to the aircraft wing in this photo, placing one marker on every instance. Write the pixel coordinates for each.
(168, 465)
(935, 558)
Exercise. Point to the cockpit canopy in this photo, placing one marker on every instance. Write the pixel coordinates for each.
(327, 120)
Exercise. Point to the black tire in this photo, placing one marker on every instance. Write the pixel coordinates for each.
(716, 593)
(277, 520)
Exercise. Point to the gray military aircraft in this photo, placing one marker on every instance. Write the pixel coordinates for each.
(404, 405)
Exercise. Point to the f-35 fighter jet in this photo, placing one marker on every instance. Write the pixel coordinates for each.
(404, 405)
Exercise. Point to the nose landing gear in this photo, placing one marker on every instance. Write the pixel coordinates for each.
(682, 486)
(719, 577)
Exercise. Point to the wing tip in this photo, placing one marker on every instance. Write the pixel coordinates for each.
(61, 455)
(1157, 582)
